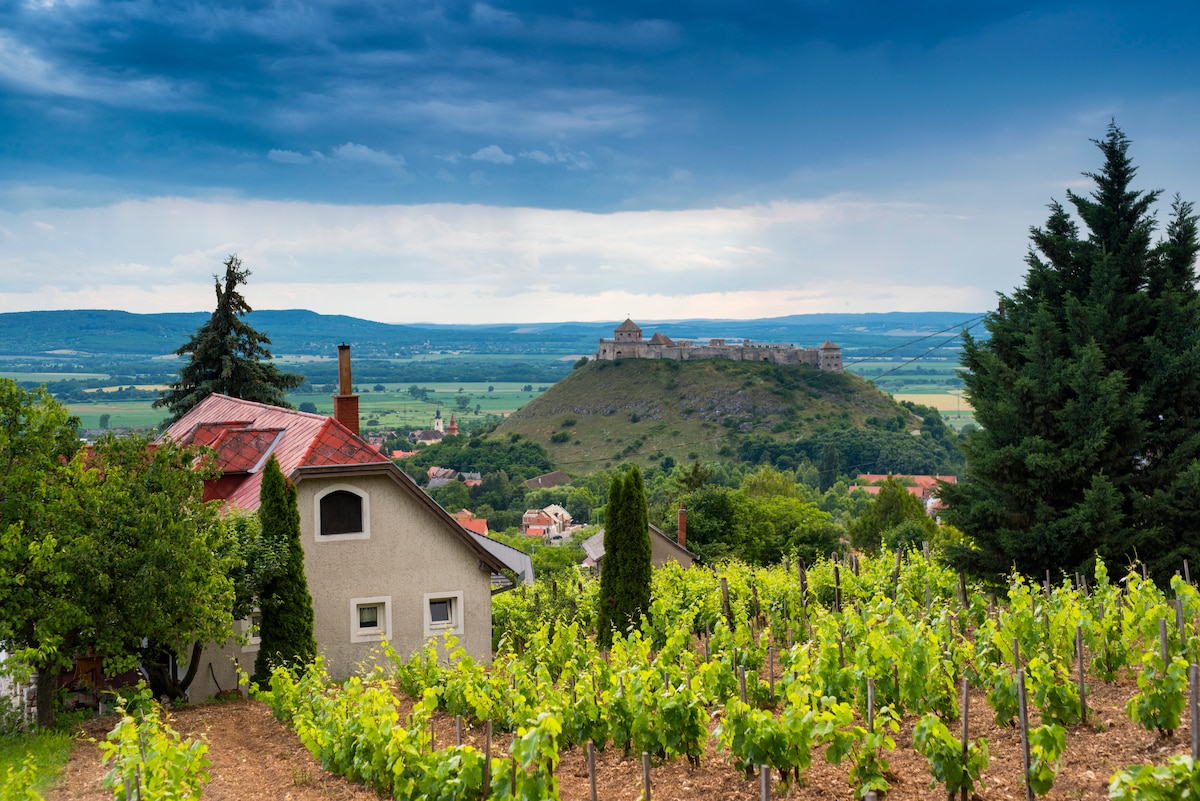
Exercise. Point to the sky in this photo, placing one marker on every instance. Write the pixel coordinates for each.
(533, 161)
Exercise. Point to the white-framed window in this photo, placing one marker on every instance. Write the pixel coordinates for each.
(443, 613)
(371, 618)
(342, 512)
(250, 627)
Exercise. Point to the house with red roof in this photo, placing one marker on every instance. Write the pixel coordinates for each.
(924, 487)
(383, 560)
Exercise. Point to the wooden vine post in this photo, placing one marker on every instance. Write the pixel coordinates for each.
(725, 602)
(591, 765)
(1024, 715)
(1082, 686)
(803, 574)
(837, 588)
(1194, 710)
(966, 705)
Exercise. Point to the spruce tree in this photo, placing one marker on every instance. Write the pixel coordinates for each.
(1088, 393)
(626, 569)
(286, 631)
(228, 356)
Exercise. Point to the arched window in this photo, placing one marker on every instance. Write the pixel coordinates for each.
(343, 512)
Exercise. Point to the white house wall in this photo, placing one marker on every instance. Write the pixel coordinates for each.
(409, 558)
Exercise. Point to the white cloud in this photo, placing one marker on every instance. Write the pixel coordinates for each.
(26, 70)
(493, 153)
(561, 155)
(362, 154)
(472, 263)
(292, 157)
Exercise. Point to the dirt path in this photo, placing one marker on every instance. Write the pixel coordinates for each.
(255, 757)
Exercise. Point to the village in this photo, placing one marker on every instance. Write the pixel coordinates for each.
(509, 401)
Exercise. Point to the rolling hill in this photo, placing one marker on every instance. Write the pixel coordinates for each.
(645, 410)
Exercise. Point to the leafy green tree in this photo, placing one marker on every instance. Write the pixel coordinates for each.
(1088, 392)
(580, 502)
(893, 506)
(626, 568)
(286, 633)
(767, 482)
(452, 496)
(111, 550)
(227, 355)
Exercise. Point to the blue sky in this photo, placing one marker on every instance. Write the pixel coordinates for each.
(529, 161)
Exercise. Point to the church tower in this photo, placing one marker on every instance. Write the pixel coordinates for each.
(439, 424)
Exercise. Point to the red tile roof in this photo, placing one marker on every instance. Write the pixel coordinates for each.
(245, 434)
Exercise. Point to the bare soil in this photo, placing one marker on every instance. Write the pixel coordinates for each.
(255, 757)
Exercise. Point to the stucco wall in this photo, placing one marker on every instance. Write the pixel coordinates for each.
(661, 552)
(408, 556)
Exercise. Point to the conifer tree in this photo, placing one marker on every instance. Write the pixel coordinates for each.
(286, 631)
(1088, 392)
(228, 356)
(626, 569)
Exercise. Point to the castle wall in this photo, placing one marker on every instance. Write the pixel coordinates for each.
(625, 347)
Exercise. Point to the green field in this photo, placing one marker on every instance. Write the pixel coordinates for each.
(22, 377)
(928, 382)
(391, 408)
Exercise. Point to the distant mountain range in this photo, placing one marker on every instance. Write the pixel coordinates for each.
(298, 332)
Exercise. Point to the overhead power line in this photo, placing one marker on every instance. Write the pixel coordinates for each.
(968, 324)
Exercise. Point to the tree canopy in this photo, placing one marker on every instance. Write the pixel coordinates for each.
(1088, 392)
(227, 355)
(110, 550)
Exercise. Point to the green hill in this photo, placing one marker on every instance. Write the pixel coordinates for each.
(643, 410)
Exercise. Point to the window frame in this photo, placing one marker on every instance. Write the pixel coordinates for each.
(250, 634)
(364, 498)
(455, 625)
(383, 631)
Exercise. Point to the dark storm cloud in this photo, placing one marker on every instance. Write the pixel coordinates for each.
(598, 105)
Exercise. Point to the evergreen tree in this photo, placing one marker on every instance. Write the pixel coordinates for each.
(228, 356)
(286, 631)
(1088, 393)
(828, 472)
(626, 568)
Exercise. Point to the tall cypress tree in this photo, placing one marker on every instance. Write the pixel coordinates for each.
(1088, 392)
(286, 632)
(626, 569)
(228, 356)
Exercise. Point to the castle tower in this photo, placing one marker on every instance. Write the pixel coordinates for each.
(829, 357)
(627, 331)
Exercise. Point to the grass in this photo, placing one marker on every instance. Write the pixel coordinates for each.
(32, 762)
(643, 410)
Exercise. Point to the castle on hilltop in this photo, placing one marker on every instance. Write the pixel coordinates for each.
(627, 343)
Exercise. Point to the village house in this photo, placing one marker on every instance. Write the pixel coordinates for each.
(383, 560)
(663, 549)
(924, 487)
(553, 521)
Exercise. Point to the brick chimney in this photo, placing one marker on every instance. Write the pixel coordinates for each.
(681, 538)
(345, 403)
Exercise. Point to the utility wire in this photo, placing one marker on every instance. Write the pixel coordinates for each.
(973, 322)
(942, 344)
